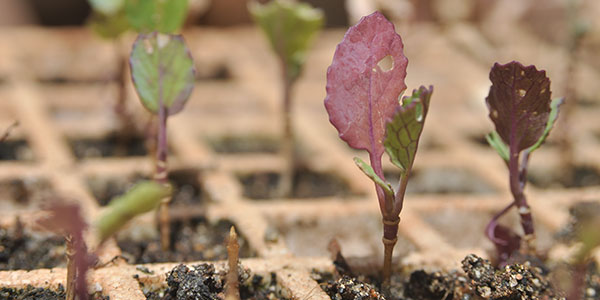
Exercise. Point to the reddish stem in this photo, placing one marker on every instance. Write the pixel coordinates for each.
(161, 176)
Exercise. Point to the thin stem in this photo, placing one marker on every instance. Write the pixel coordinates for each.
(161, 177)
(490, 228)
(71, 271)
(232, 290)
(288, 150)
(517, 184)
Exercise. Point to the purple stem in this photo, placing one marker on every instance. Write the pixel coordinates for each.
(490, 228)
(161, 175)
(517, 175)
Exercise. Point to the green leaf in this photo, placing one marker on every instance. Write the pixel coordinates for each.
(404, 129)
(554, 108)
(368, 170)
(290, 28)
(162, 70)
(165, 16)
(494, 139)
(143, 197)
(106, 7)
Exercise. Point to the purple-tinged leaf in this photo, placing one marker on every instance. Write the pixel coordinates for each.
(554, 108)
(519, 104)
(404, 129)
(163, 71)
(364, 82)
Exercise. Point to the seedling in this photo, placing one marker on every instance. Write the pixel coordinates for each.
(523, 114)
(163, 72)
(290, 28)
(364, 83)
(111, 18)
(66, 219)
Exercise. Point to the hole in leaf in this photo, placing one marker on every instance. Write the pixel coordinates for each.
(522, 92)
(386, 64)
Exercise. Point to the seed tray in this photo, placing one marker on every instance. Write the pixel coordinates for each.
(59, 84)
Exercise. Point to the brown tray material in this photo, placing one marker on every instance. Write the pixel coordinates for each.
(57, 84)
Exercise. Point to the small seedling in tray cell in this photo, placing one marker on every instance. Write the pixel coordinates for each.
(364, 83)
(111, 18)
(163, 72)
(290, 28)
(67, 219)
(523, 114)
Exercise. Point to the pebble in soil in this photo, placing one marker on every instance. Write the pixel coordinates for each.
(34, 293)
(306, 184)
(480, 281)
(191, 240)
(24, 250)
(203, 282)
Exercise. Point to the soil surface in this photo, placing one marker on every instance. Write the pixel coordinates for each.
(23, 250)
(111, 145)
(187, 187)
(33, 293)
(191, 240)
(480, 280)
(202, 282)
(245, 144)
(307, 184)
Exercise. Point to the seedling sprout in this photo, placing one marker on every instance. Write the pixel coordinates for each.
(163, 72)
(364, 83)
(290, 28)
(523, 114)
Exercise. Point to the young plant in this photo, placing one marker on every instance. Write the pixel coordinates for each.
(523, 114)
(364, 83)
(163, 72)
(290, 28)
(66, 219)
(111, 18)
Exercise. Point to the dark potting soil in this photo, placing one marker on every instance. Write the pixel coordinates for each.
(111, 145)
(188, 190)
(33, 293)
(23, 250)
(245, 144)
(306, 184)
(15, 150)
(480, 281)
(202, 282)
(191, 240)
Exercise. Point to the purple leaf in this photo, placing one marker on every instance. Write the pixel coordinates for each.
(519, 104)
(364, 82)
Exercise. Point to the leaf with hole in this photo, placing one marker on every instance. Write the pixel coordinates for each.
(404, 129)
(165, 16)
(162, 71)
(361, 96)
(519, 104)
(290, 28)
